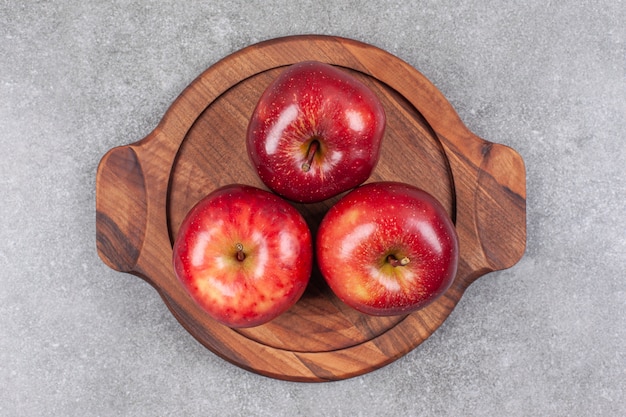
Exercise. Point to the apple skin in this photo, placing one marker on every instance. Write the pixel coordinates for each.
(315, 132)
(276, 255)
(364, 240)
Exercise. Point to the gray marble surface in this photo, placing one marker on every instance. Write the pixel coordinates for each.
(544, 338)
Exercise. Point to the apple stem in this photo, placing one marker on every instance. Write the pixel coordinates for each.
(313, 148)
(397, 262)
(240, 253)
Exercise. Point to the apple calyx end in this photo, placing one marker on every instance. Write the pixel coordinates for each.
(240, 254)
(314, 147)
(393, 261)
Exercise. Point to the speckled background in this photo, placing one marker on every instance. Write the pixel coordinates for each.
(544, 338)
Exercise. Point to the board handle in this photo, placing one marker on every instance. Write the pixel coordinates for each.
(121, 209)
(500, 206)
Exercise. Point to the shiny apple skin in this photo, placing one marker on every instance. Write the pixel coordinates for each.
(311, 101)
(378, 220)
(278, 250)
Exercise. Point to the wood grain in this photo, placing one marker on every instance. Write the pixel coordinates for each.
(144, 190)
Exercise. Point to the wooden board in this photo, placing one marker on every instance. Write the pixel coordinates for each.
(143, 191)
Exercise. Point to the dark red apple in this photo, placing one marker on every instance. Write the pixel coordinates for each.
(244, 255)
(315, 132)
(387, 248)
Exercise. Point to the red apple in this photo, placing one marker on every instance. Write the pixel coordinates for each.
(315, 132)
(244, 255)
(387, 248)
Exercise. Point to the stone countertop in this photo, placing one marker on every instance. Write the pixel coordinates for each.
(544, 338)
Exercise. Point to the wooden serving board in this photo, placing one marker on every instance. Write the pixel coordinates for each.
(143, 191)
